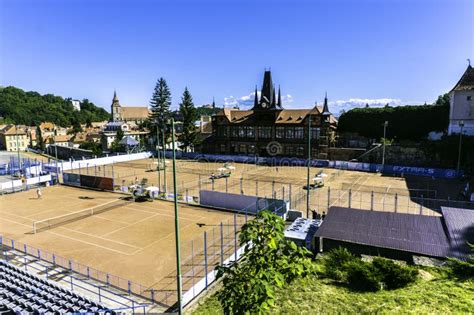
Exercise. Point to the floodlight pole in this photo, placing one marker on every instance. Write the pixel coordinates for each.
(308, 168)
(158, 156)
(176, 221)
(164, 159)
(385, 124)
(18, 149)
(461, 125)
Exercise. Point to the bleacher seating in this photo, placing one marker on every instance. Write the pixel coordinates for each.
(23, 293)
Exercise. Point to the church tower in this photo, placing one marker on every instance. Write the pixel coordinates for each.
(268, 98)
(116, 109)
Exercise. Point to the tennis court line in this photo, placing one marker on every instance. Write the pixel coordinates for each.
(99, 237)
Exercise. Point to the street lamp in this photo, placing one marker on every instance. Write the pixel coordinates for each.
(18, 149)
(308, 190)
(461, 125)
(176, 222)
(385, 124)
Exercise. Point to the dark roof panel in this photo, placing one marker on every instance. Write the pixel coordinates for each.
(460, 229)
(413, 233)
(467, 80)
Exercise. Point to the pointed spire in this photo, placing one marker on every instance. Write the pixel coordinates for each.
(279, 98)
(115, 96)
(213, 102)
(325, 107)
(255, 101)
(273, 96)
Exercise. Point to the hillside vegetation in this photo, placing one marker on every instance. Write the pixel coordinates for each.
(32, 108)
(405, 122)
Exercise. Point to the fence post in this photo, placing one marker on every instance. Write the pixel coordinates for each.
(273, 189)
(350, 198)
(256, 187)
(192, 261)
(241, 186)
(283, 192)
(39, 254)
(372, 200)
(329, 198)
(235, 236)
(88, 273)
(289, 193)
(187, 195)
(54, 260)
(24, 249)
(421, 205)
(129, 287)
(152, 296)
(226, 180)
(205, 257)
(222, 244)
(70, 266)
(396, 201)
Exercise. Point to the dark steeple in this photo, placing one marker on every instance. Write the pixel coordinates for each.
(267, 90)
(213, 102)
(273, 97)
(279, 98)
(255, 101)
(325, 107)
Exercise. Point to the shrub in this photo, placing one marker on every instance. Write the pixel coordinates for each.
(336, 262)
(363, 276)
(394, 276)
(463, 269)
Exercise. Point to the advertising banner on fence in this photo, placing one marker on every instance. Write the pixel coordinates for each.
(71, 179)
(105, 183)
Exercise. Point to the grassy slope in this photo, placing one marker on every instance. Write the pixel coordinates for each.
(311, 295)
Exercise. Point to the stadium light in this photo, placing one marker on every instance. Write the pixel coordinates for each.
(385, 124)
(176, 221)
(461, 125)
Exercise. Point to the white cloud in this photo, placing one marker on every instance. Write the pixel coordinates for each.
(344, 105)
(246, 101)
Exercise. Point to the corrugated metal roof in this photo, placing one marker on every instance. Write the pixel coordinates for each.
(460, 229)
(413, 233)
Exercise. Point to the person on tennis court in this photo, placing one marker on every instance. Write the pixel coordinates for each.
(38, 192)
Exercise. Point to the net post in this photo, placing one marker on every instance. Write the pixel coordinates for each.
(329, 197)
(283, 192)
(396, 202)
(372, 200)
(256, 187)
(289, 193)
(212, 183)
(421, 205)
(273, 189)
(350, 198)
(226, 186)
(241, 186)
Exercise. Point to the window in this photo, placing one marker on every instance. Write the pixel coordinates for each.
(222, 131)
(242, 132)
(252, 149)
(315, 133)
(300, 151)
(289, 150)
(265, 132)
(235, 131)
(469, 97)
(223, 148)
(280, 132)
(243, 148)
(299, 134)
(290, 132)
(250, 132)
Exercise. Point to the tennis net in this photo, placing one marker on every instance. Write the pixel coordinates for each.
(56, 221)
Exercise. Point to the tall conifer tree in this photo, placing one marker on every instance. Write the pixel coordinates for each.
(160, 105)
(188, 112)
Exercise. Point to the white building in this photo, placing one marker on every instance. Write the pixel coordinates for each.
(462, 104)
(76, 104)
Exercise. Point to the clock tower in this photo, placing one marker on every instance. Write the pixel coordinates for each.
(116, 109)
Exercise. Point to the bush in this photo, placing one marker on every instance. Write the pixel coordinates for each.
(394, 276)
(336, 262)
(363, 276)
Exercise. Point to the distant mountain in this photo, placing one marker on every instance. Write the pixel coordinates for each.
(32, 108)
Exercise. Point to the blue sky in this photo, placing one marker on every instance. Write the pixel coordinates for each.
(402, 52)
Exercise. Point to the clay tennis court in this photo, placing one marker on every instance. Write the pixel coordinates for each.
(390, 192)
(132, 240)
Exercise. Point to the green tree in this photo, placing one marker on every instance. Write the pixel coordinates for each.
(116, 145)
(160, 105)
(188, 112)
(270, 261)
